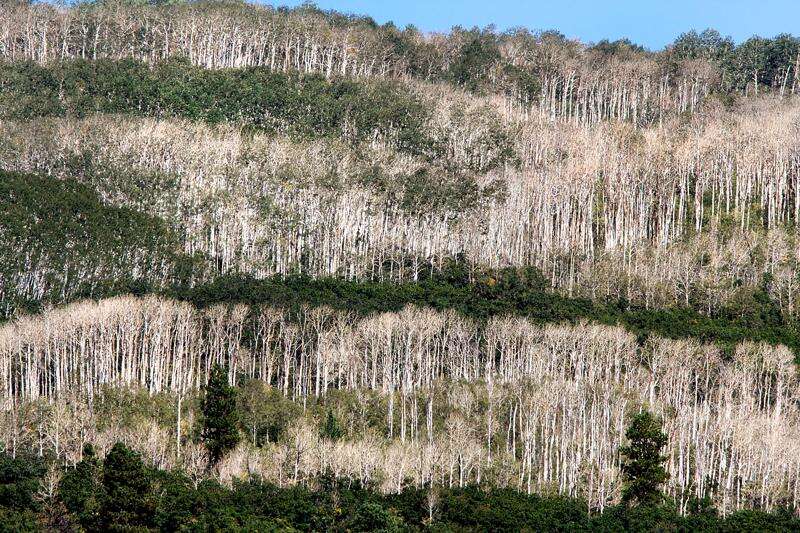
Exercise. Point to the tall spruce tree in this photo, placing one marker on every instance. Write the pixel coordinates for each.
(220, 419)
(643, 464)
(127, 501)
(331, 429)
(78, 488)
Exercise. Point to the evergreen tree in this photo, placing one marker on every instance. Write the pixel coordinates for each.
(78, 488)
(19, 481)
(643, 465)
(332, 430)
(126, 490)
(479, 54)
(220, 419)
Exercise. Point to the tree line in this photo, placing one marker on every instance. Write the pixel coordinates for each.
(426, 396)
(60, 239)
(327, 274)
(588, 83)
(616, 226)
(121, 489)
(303, 106)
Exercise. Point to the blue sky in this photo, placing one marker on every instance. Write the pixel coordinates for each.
(651, 23)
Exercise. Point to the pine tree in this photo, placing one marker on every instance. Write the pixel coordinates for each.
(643, 465)
(78, 488)
(19, 481)
(332, 430)
(220, 419)
(126, 486)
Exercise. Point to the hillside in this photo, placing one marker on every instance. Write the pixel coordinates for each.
(433, 269)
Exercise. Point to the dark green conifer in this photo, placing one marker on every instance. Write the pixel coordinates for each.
(126, 498)
(332, 430)
(643, 464)
(220, 419)
(78, 488)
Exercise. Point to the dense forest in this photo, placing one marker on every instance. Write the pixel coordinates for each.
(270, 269)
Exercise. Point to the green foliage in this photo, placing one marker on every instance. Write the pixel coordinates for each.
(78, 488)
(19, 521)
(643, 464)
(620, 48)
(480, 294)
(126, 498)
(74, 244)
(134, 497)
(430, 190)
(70, 244)
(769, 62)
(506, 510)
(116, 406)
(372, 516)
(179, 504)
(708, 44)
(220, 420)
(331, 429)
(19, 481)
(762, 60)
(264, 413)
(304, 107)
(478, 55)
(753, 520)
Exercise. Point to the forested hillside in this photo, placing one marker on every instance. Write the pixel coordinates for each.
(266, 268)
